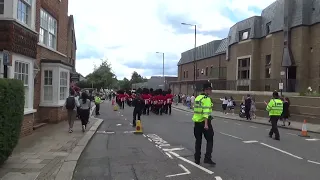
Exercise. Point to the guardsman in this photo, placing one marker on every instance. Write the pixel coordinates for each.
(275, 108)
(169, 99)
(146, 97)
(97, 101)
(202, 124)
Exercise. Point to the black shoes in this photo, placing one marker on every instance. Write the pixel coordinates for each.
(206, 161)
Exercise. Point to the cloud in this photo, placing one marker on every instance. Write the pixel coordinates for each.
(128, 33)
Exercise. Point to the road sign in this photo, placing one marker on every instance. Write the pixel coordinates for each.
(280, 86)
(7, 58)
(75, 76)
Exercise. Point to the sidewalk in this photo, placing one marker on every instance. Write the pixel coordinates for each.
(49, 153)
(315, 128)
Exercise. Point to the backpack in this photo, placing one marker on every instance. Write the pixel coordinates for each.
(71, 103)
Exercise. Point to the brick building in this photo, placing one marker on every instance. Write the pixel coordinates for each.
(40, 37)
(281, 45)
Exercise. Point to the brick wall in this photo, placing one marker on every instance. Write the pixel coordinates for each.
(52, 114)
(27, 125)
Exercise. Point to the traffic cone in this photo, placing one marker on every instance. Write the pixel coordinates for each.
(115, 107)
(304, 131)
(138, 127)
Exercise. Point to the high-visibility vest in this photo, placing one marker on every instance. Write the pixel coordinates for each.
(202, 108)
(275, 107)
(97, 100)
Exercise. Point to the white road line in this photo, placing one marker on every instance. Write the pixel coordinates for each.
(231, 135)
(247, 142)
(314, 162)
(238, 124)
(144, 135)
(192, 163)
(110, 132)
(281, 151)
(149, 139)
(218, 178)
(119, 124)
(174, 149)
(225, 121)
(292, 134)
(164, 145)
(180, 174)
(312, 139)
(131, 124)
(253, 127)
(169, 155)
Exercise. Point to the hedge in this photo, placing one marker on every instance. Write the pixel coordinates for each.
(11, 115)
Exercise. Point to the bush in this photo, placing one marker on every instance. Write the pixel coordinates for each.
(11, 115)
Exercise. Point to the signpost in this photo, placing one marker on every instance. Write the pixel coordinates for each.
(75, 77)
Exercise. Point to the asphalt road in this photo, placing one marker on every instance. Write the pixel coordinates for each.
(242, 151)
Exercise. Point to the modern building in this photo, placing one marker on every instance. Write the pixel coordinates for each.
(280, 46)
(155, 82)
(38, 37)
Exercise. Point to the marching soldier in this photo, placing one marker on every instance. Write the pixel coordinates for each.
(202, 124)
(275, 108)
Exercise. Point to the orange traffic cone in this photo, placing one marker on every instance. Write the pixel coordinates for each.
(138, 127)
(304, 131)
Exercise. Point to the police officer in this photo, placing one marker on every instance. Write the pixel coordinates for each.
(97, 101)
(275, 108)
(202, 124)
(138, 104)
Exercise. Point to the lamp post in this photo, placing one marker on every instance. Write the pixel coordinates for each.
(194, 54)
(162, 68)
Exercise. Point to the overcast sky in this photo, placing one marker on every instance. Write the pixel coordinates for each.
(129, 32)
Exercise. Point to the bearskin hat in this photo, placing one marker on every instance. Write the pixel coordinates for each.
(164, 93)
(169, 91)
(139, 91)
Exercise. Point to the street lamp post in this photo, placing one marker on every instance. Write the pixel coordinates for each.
(194, 54)
(162, 68)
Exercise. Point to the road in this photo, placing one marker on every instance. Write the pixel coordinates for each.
(242, 151)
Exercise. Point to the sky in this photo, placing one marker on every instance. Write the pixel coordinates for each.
(129, 33)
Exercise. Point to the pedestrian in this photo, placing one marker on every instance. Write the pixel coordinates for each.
(247, 105)
(85, 107)
(286, 113)
(202, 124)
(231, 105)
(169, 99)
(97, 101)
(138, 104)
(146, 97)
(192, 101)
(275, 109)
(70, 104)
(224, 104)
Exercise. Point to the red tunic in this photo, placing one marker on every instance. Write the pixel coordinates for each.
(169, 98)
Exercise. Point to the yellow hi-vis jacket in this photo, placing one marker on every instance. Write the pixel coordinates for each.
(275, 107)
(97, 100)
(202, 108)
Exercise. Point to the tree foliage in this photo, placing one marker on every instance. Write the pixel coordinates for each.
(137, 78)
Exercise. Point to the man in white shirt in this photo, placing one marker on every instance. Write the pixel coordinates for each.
(192, 101)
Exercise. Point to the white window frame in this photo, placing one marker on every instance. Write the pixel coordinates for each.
(26, 15)
(48, 85)
(63, 86)
(22, 72)
(48, 30)
(2, 4)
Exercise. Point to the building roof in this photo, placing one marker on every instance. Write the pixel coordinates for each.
(301, 12)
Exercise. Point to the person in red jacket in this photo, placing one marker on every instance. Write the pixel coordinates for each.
(122, 98)
(146, 97)
(169, 100)
(160, 100)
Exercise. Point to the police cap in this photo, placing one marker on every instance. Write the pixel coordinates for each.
(206, 85)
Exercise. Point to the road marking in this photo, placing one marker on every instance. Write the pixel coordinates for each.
(292, 134)
(149, 139)
(192, 163)
(180, 174)
(101, 132)
(230, 135)
(125, 118)
(131, 124)
(247, 142)
(238, 124)
(173, 149)
(225, 121)
(253, 127)
(164, 145)
(314, 162)
(281, 151)
(144, 135)
(169, 155)
(218, 178)
(119, 124)
(312, 139)
(127, 132)
(121, 114)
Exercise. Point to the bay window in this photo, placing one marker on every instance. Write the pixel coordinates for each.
(22, 72)
(48, 30)
(63, 85)
(23, 11)
(1, 6)
(48, 86)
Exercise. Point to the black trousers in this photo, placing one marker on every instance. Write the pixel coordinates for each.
(136, 112)
(208, 135)
(146, 109)
(168, 108)
(274, 126)
(97, 109)
(84, 116)
(247, 111)
(121, 104)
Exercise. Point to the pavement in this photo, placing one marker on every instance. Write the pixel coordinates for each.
(242, 150)
(315, 128)
(50, 153)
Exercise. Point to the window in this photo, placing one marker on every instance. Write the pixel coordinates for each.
(1, 6)
(63, 85)
(48, 87)
(244, 35)
(268, 66)
(21, 72)
(48, 30)
(268, 28)
(215, 72)
(184, 74)
(207, 69)
(244, 68)
(23, 11)
(187, 74)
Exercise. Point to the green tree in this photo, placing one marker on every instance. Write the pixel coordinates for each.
(137, 78)
(102, 76)
(124, 84)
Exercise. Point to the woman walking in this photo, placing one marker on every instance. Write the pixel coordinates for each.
(285, 113)
(224, 104)
(85, 106)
